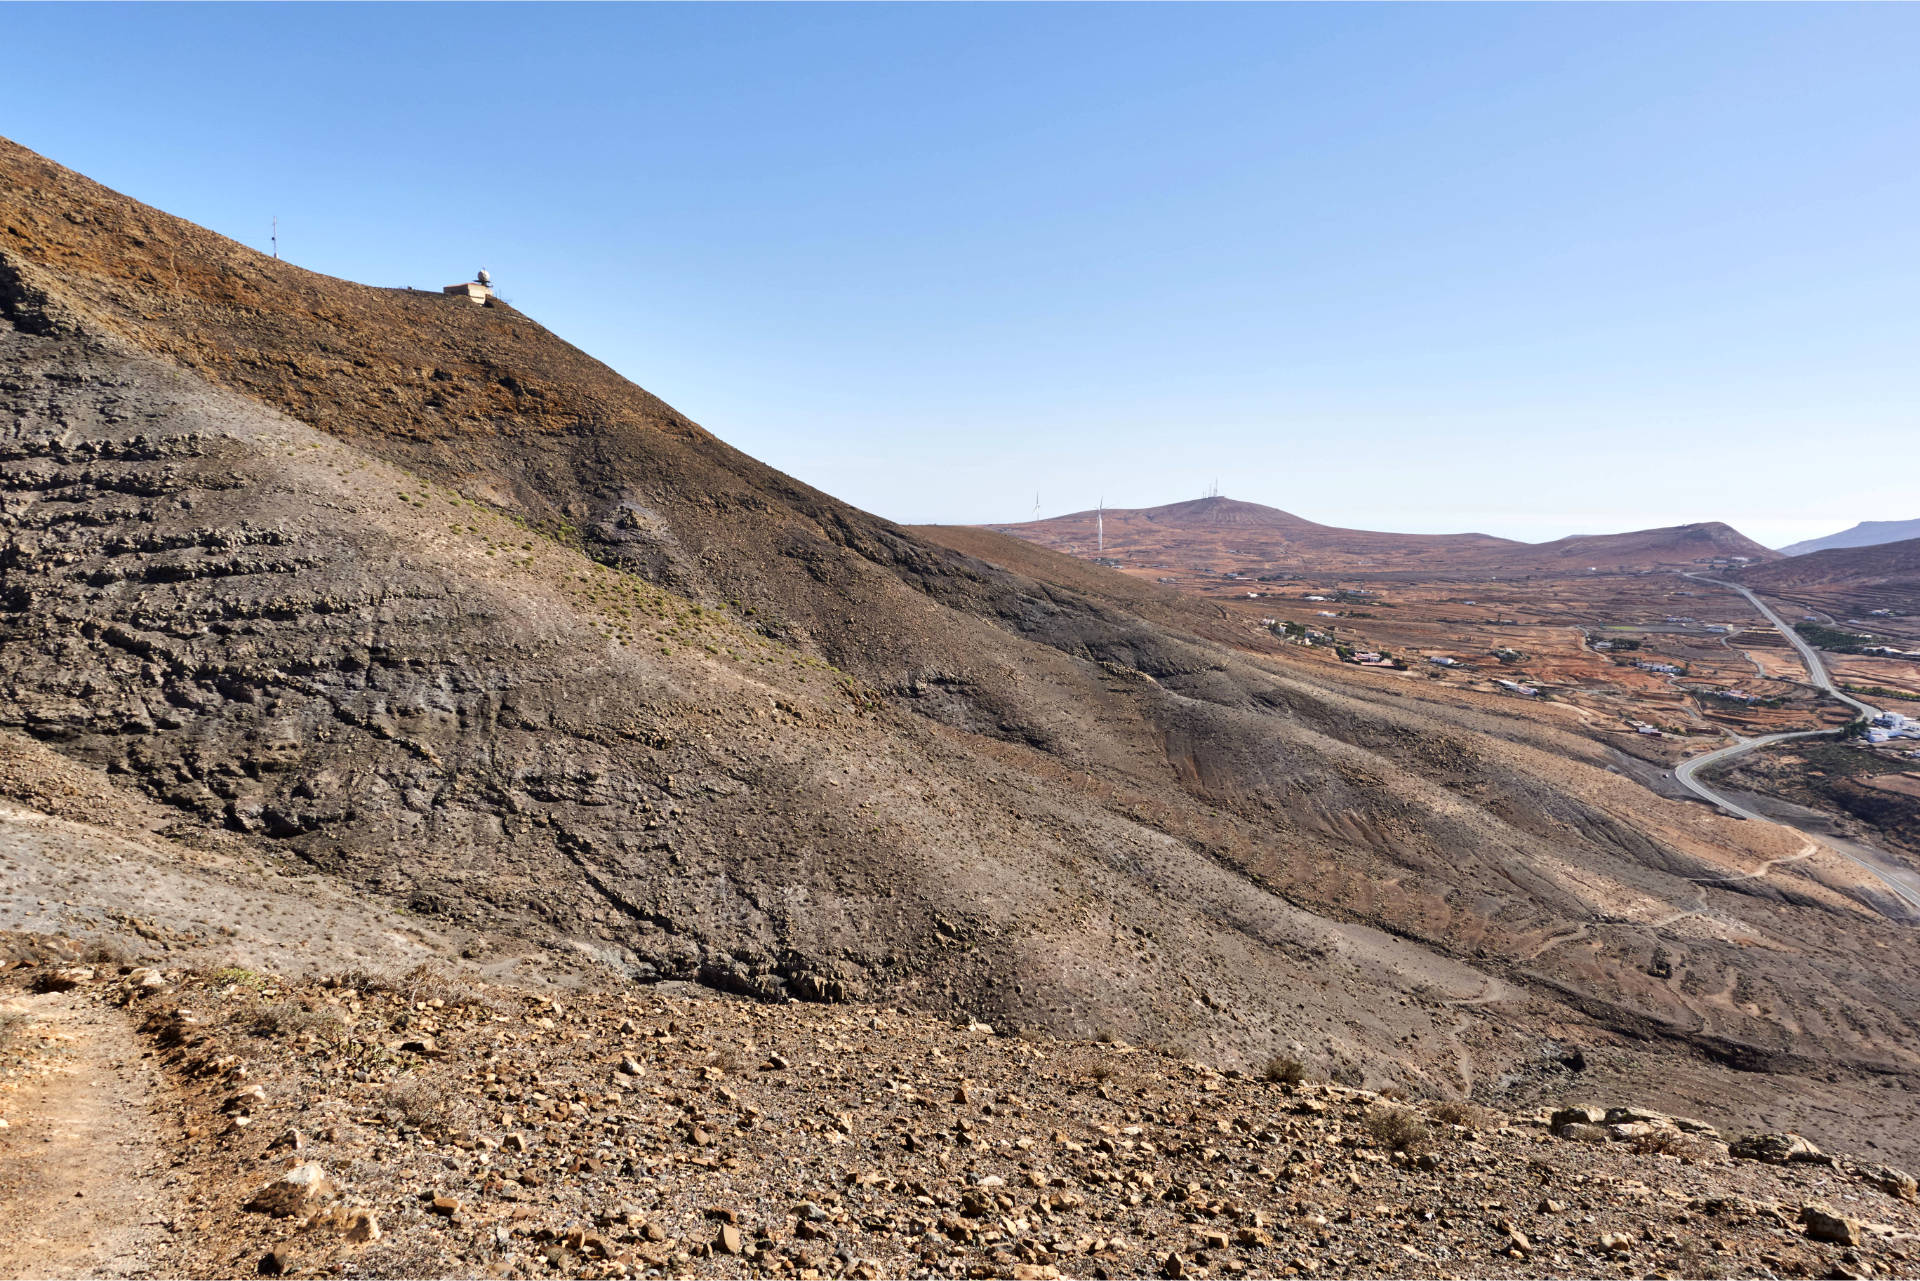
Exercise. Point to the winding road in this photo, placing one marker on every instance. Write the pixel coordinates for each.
(1817, 675)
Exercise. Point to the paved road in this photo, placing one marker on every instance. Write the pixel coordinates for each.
(1683, 773)
(1817, 673)
(1816, 670)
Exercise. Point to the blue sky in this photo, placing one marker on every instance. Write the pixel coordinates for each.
(1528, 270)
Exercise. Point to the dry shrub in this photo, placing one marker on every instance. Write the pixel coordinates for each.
(107, 952)
(1462, 1113)
(424, 982)
(1101, 1072)
(290, 1018)
(419, 1102)
(1283, 1069)
(1397, 1128)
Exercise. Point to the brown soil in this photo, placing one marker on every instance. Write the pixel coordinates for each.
(86, 1188)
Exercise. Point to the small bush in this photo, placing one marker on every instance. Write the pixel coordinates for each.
(290, 1018)
(107, 952)
(1460, 1112)
(237, 975)
(424, 982)
(1283, 1069)
(419, 1102)
(1397, 1128)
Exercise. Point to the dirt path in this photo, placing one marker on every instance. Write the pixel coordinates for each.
(83, 1169)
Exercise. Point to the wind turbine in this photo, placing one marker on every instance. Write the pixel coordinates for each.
(1100, 524)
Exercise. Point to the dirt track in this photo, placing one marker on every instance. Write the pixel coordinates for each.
(83, 1185)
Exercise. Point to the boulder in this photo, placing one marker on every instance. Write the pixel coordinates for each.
(1581, 1132)
(1576, 1116)
(1775, 1149)
(1637, 1116)
(1633, 1129)
(1823, 1224)
(300, 1190)
(1888, 1179)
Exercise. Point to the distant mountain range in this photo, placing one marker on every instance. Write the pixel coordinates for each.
(1868, 533)
(1226, 533)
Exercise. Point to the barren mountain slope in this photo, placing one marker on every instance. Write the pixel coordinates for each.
(404, 590)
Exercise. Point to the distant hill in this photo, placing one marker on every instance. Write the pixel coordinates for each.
(1226, 533)
(1884, 576)
(1868, 533)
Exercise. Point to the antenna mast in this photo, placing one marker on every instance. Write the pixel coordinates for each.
(276, 235)
(1100, 524)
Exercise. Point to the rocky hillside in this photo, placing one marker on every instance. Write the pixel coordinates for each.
(411, 599)
(420, 1124)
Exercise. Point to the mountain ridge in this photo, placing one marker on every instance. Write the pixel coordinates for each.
(1296, 539)
(1868, 533)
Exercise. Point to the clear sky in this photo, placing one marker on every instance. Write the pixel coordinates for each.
(1526, 270)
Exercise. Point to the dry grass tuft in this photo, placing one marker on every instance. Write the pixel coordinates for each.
(1283, 1069)
(1462, 1113)
(1397, 1128)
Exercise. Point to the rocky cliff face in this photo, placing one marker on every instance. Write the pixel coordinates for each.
(409, 593)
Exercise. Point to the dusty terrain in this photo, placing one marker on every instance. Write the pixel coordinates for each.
(368, 624)
(386, 1123)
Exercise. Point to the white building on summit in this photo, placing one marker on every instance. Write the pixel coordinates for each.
(479, 290)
